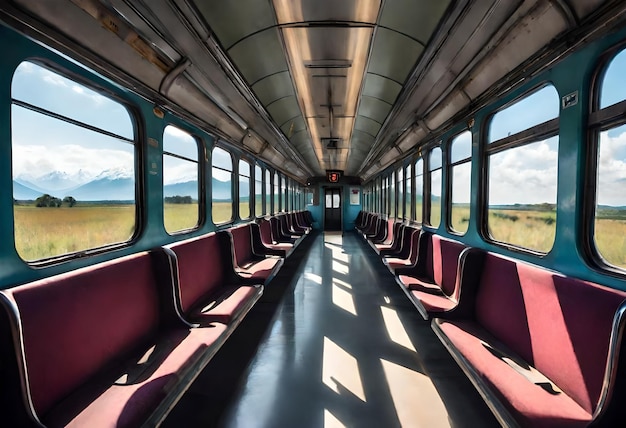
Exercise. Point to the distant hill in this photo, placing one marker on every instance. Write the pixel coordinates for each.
(106, 189)
(111, 185)
(23, 193)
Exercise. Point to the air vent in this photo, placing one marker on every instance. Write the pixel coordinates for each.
(331, 143)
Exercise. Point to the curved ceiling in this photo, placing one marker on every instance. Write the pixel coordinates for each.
(327, 72)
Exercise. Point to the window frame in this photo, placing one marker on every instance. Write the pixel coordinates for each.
(600, 120)
(534, 134)
(102, 86)
(201, 176)
(450, 179)
(232, 179)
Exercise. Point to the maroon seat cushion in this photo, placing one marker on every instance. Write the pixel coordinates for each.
(547, 319)
(225, 306)
(260, 270)
(528, 403)
(75, 323)
(130, 401)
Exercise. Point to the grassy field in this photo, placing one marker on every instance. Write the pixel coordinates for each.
(528, 229)
(180, 216)
(49, 232)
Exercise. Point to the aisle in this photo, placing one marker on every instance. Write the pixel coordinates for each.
(347, 348)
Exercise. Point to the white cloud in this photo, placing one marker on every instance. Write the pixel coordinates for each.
(38, 160)
(524, 175)
(612, 168)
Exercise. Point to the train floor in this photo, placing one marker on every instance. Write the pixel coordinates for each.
(334, 342)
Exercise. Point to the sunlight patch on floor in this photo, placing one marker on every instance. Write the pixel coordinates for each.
(330, 421)
(340, 283)
(343, 299)
(340, 370)
(415, 398)
(395, 329)
(313, 277)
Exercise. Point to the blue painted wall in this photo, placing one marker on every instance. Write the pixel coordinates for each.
(349, 211)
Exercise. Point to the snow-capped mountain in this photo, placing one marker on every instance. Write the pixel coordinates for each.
(110, 185)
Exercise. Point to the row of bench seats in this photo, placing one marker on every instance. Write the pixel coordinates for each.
(542, 348)
(118, 343)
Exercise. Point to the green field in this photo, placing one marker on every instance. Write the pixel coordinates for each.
(49, 232)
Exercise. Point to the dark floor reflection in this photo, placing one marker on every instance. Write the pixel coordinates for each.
(346, 348)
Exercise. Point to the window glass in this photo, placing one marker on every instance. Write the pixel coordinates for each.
(392, 195)
(73, 165)
(407, 192)
(534, 109)
(522, 195)
(276, 193)
(283, 193)
(460, 174)
(400, 187)
(435, 187)
(613, 89)
(523, 177)
(222, 177)
(244, 189)
(258, 190)
(180, 180)
(267, 209)
(419, 190)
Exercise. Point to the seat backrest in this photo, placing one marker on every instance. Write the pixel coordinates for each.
(242, 244)
(560, 325)
(76, 323)
(266, 231)
(203, 265)
(445, 260)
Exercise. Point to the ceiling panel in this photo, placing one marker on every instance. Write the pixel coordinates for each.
(417, 19)
(393, 55)
(293, 126)
(259, 56)
(284, 110)
(367, 125)
(382, 88)
(374, 109)
(273, 87)
(232, 21)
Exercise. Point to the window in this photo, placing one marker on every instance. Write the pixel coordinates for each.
(180, 180)
(73, 164)
(460, 175)
(522, 157)
(407, 192)
(419, 190)
(276, 194)
(267, 208)
(609, 225)
(244, 189)
(400, 187)
(392, 195)
(434, 196)
(258, 190)
(222, 177)
(283, 193)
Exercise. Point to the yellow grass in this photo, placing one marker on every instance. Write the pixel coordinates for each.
(527, 229)
(48, 232)
(180, 216)
(222, 212)
(610, 239)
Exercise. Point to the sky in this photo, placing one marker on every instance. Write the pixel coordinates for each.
(527, 174)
